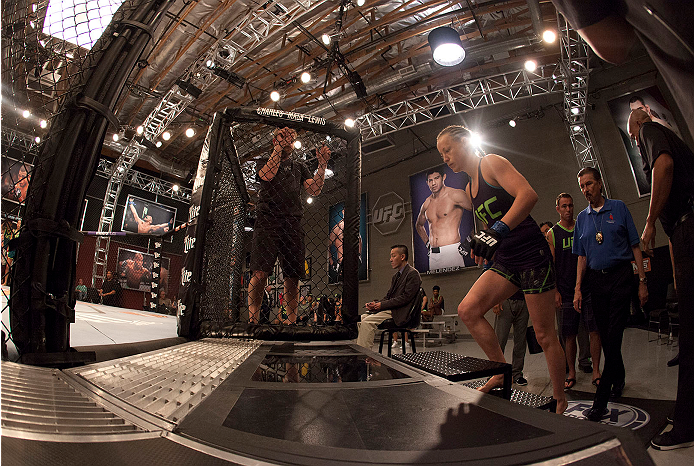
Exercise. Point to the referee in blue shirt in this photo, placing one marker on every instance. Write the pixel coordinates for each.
(606, 241)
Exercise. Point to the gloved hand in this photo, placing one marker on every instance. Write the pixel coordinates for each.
(485, 243)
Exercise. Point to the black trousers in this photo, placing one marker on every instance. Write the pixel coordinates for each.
(683, 252)
(611, 291)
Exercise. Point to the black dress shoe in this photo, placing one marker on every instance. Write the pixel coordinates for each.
(674, 361)
(595, 414)
(617, 390)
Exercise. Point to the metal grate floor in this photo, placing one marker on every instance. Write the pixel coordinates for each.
(40, 400)
(519, 396)
(169, 383)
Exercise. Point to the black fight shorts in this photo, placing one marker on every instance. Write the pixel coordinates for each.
(532, 280)
(273, 238)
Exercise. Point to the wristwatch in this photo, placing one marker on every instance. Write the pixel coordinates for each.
(643, 280)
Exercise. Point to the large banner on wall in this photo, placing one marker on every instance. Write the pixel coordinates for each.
(147, 217)
(135, 270)
(651, 101)
(442, 220)
(336, 224)
(16, 176)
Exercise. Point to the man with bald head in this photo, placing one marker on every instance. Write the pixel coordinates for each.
(669, 164)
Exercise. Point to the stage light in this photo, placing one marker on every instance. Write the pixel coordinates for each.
(349, 122)
(447, 49)
(512, 123)
(361, 2)
(158, 144)
(43, 123)
(297, 144)
(577, 129)
(37, 139)
(326, 39)
(166, 135)
(575, 110)
(190, 132)
(275, 96)
(531, 65)
(549, 36)
(116, 137)
(140, 129)
(175, 188)
(305, 77)
(26, 113)
(475, 139)
(209, 64)
(309, 200)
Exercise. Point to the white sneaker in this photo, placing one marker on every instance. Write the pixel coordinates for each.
(395, 344)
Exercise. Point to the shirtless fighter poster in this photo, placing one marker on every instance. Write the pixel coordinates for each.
(147, 217)
(135, 270)
(442, 220)
(336, 224)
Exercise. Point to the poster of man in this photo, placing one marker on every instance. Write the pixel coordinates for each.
(135, 270)
(16, 176)
(442, 220)
(652, 102)
(336, 224)
(147, 217)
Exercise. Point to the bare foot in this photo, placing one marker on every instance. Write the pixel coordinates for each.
(492, 383)
(562, 405)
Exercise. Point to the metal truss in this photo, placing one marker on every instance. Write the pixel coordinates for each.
(21, 141)
(146, 182)
(574, 67)
(247, 32)
(504, 87)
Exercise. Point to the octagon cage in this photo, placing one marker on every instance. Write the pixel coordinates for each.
(273, 248)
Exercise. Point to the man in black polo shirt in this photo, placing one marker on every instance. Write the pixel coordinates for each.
(110, 291)
(277, 230)
(669, 164)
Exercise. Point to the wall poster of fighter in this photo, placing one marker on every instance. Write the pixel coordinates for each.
(652, 102)
(147, 217)
(442, 220)
(135, 270)
(336, 216)
(16, 176)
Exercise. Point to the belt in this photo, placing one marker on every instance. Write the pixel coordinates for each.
(614, 268)
(686, 216)
(436, 250)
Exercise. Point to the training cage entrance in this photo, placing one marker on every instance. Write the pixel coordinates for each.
(240, 219)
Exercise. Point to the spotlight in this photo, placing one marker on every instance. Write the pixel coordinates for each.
(158, 144)
(549, 36)
(447, 49)
(326, 39)
(116, 137)
(166, 135)
(361, 2)
(349, 122)
(43, 123)
(577, 129)
(531, 65)
(305, 77)
(275, 96)
(175, 188)
(575, 110)
(190, 132)
(26, 113)
(37, 139)
(512, 123)
(140, 129)
(209, 64)
(309, 200)
(297, 144)
(475, 139)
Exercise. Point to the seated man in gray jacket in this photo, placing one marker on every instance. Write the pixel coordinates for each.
(396, 305)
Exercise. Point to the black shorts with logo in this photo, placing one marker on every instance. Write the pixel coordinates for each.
(278, 237)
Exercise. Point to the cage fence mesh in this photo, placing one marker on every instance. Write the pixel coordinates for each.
(292, 239)
(48, 51)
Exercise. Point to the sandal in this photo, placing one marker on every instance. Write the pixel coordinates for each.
(569, 383)
(596, 381)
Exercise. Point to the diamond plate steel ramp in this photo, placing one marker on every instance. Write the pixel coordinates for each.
(519, 396)
(41, 401)
(170, 382)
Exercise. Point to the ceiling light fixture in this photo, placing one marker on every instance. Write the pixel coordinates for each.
(531, 65)
(175, 188)
(575, 110)
(349, 122)
(297, 144)
(116, 137)
(305, 77)
(190, 132)
(361, 2)
(140, 129)
(475, 139)
(158, 144)
(309, 200)
(26, 113)
(275, 96)
(577, 129)
(512, 123)
(37, 139)
(446, 47)
(166, 135)
(326, 39)
(549, 36)
(43, 123)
